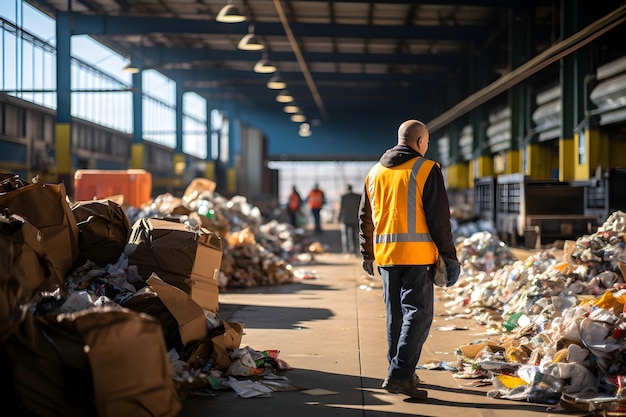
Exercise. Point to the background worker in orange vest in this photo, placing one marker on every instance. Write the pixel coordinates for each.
(316, 200)
(293, 206)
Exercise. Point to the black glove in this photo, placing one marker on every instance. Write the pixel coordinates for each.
(453, 270)
(368, 266)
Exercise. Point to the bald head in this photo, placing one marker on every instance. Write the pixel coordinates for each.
(414, 134)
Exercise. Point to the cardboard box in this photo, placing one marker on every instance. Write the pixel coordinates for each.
(192, 324)
(185, 257)
(226, 342)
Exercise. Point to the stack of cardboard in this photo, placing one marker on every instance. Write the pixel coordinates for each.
(85, 339)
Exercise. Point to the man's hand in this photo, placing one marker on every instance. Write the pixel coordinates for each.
(453, 270)
(368, 267)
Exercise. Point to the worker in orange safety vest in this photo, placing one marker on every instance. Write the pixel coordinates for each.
(316, 201)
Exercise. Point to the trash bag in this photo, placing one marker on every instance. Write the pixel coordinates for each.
(103, 231)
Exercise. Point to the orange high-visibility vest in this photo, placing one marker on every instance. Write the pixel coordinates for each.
(294, 202)
(401, 235)
(316, 199)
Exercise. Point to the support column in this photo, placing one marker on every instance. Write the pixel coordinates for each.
(458, 171)
(138, 159)
(518, 40)
(209, 171)
(234, 142)
(63, 126)
(482, 163)
(180, 163)
(569, 93)
(592, 147)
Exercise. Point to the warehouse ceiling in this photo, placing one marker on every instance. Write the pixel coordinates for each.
(335, 56)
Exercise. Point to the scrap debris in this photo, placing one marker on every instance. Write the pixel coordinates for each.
(560, 320)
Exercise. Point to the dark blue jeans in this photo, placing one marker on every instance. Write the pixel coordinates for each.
(317, 220)
(409, 297)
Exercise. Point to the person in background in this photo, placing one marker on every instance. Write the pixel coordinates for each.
(404, 225)
(349, 220)
(293, 206)
(316, 201)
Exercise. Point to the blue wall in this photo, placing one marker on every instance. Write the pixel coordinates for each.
(359, 135)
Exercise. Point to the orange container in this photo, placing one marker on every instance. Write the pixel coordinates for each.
(134, 184)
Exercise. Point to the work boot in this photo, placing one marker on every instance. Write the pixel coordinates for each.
(416, 381)
(406, 387)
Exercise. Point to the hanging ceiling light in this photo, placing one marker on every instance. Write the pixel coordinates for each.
(305, 130)
(284, 97)
(131, 69)
(276, 83)
(230, 14)
(249, 42)
(298, 118)
(264, 66)
(291, 108)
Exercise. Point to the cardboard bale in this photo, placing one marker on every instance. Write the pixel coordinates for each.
(186, 257)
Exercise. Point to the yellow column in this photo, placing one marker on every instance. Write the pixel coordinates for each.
(512, 163)
(567, 158)
(179, 164)
(231, 180)
(539, 161)
(483, 166)
(64, 153)
(597, 153)
(137, 156)
(209, 171)
(179, 169)
(458, 176)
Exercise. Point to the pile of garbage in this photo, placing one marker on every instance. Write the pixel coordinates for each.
(560, 319)
(255, 252)
(94, 292)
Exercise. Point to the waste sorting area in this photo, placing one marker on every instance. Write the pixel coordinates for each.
(97, 291)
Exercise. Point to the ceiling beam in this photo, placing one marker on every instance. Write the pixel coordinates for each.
(162, 56)
(127, 25)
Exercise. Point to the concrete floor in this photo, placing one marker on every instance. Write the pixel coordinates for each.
(331, 330)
